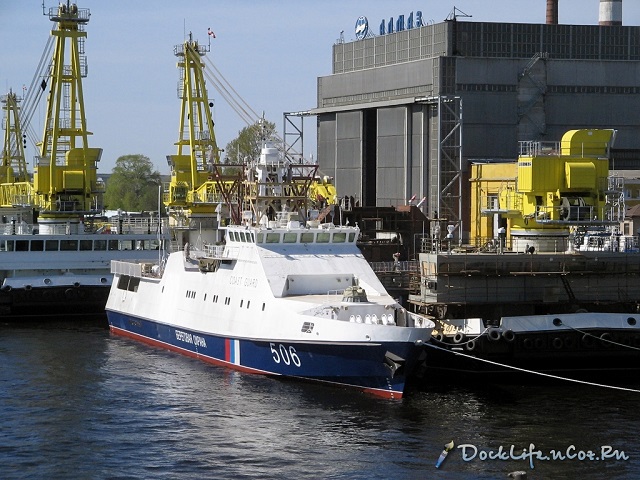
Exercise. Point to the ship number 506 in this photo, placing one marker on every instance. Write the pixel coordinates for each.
(285, 355)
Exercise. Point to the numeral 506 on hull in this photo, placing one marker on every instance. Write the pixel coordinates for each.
(284, 354)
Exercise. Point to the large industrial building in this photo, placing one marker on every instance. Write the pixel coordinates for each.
(404, 113)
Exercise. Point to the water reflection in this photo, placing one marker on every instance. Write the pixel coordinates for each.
(85, 404)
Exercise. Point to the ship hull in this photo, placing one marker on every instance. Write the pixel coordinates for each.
(60, 302)
(602, 348)
(604, 368)
(363, 366)
(70, 278)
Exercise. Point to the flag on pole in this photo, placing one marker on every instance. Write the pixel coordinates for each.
(210, 33)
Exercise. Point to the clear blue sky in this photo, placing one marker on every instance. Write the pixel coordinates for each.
(271, 51)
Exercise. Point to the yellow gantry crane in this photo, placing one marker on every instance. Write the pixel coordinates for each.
(65, 174)
(15, 185)
(203, 191)
(199, 190)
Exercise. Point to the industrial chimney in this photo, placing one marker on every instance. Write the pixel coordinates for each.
(610, 12)
(552, 12)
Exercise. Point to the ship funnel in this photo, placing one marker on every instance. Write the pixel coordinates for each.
(610, 12)
(552, 12)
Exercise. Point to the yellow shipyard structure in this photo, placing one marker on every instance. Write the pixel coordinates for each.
(554, 191)
(549, 284)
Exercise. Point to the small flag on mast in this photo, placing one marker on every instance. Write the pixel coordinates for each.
(210, 33)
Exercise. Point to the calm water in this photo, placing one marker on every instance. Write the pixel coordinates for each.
(80, 403)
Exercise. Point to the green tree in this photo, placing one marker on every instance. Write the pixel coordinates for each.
(133, 185)
(249, 142)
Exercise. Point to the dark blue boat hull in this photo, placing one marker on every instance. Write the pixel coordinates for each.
(365, 366)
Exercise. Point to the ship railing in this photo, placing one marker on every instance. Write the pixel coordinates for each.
(491, 204)
(139, 225)
(608, 243)
(207, 196)
(76, 14)
(121, 267)
(578, 214)
(415, 320)
(491, 244)
(395, 317)
(17, 228)
(400, 266)
(532, 148)
(179, 50)
(221, 252)
(17, 194)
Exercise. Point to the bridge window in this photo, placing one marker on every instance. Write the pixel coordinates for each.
(100, 245)
(51, 245)
(339, 237)
(290, 237)
(86, 245)
(273, 237)
(37, 245)
(323, 237)
(125, 282)
(352, 237)
(128, 245)
(260, 237)
(68, 245)
(306, 237)
(22, 245)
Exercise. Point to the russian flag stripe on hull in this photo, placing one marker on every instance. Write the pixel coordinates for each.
(232, 351)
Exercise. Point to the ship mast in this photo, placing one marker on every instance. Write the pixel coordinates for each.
(66, 168)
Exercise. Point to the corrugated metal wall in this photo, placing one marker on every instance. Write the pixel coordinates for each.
(587, 77)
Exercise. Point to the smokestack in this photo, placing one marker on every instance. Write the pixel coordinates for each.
(610, 12)
(552, 12)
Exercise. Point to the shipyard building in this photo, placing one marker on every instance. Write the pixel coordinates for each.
(404, 114)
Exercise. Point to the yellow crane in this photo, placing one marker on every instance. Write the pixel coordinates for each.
(15, 185)
(203, 192)
(65, 174)
(197, 191)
